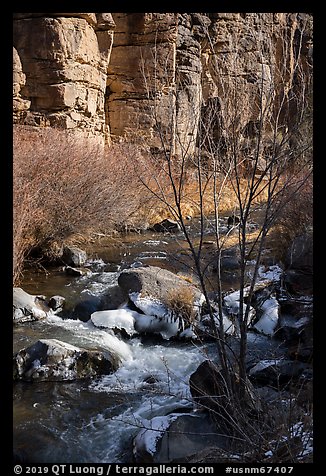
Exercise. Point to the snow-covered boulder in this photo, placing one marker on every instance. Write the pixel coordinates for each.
(276, 372)
(27, 307)
(175, 436)
(52, 359)
(268, 322)
(169, 304)
(232, 307)
(157, 283)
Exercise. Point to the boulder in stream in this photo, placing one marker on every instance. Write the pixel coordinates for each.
(54, 360)
(76, 271)
(208, 389)
(169, 304)
(73, 256)
(158, 283)
(56, 303)
(175, 436)
(28, 307)
(167, 225)
(277, 372)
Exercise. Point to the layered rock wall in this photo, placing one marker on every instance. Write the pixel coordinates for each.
(134, 73)
(65, 59)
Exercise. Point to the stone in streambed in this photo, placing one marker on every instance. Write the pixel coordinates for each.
(76, 271)
(73, 256)
(166, 225)
(155, 282)
(27, 307)
(54, 360)
(169, 304)
(56, 303)
(277, 372)
(175, 436)
(208, 389)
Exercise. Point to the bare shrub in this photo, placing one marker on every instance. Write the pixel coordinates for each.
(297, 214)
(66, 184)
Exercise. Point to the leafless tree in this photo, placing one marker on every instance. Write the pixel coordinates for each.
(255, 140)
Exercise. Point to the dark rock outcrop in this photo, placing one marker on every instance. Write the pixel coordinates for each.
(298, 275)
(208, 389)
(277, 372)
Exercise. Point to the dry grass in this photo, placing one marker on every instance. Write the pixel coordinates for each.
(193, 202)
(181, 302)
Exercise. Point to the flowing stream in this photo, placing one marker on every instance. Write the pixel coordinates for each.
(94, 421)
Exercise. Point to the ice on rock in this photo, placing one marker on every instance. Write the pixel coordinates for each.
(264, 364)
(188, 333)
(149, 305)
(165, 325)
(228, 325)
(147, 439)
(232, 304)
(272, 273)
(269, 320)
(156, 319)
(88, 335)
(116, 319)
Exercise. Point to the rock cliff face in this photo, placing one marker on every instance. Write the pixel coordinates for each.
(129, 73)
(65, 58)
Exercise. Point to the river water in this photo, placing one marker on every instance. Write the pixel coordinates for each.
(95, 421)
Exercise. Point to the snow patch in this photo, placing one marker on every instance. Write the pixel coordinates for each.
(271, 273)
(264, 364)
(116, 319)
(149, 305)
(269, 320)
(232, 303)
(188, 333)
(147, 439)
(228, 325)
